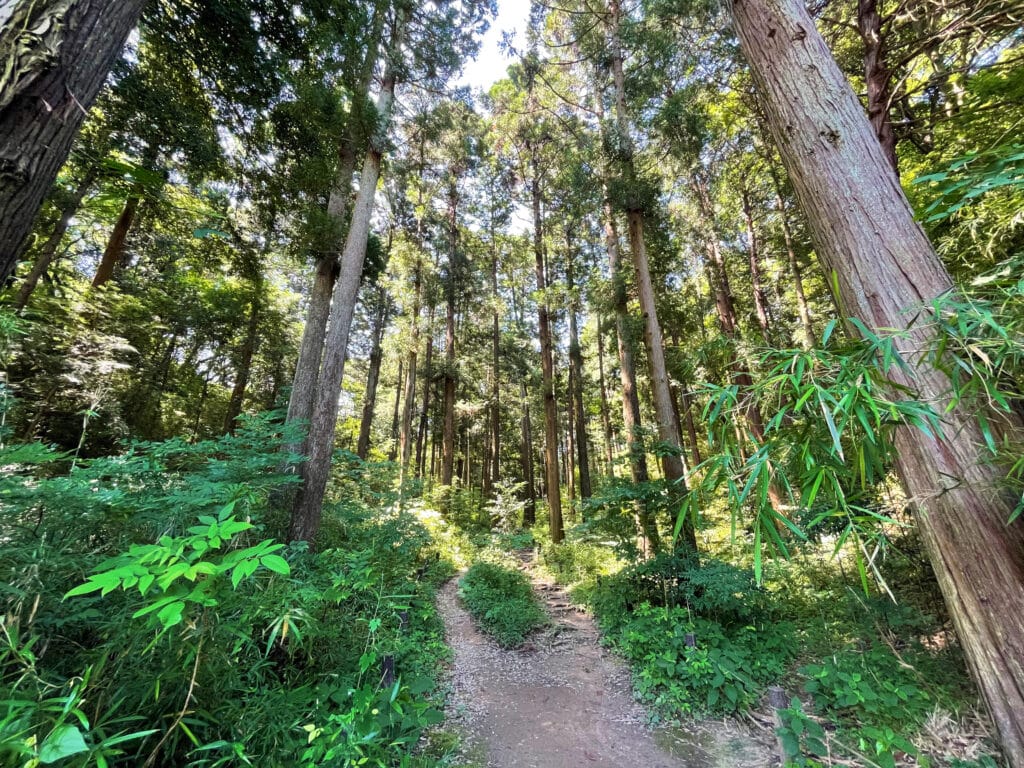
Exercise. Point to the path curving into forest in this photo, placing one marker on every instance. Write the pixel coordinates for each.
(564, 701)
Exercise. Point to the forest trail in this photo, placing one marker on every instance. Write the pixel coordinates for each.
(563, 701)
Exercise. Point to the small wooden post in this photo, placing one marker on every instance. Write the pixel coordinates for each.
(777, 700)
(387, 671)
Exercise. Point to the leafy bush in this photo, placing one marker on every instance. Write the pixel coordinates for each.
(713, 589)
(502, 602)
(575, 561)
(196, 640)
(722, 672)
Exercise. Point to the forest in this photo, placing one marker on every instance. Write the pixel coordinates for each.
(345, 383)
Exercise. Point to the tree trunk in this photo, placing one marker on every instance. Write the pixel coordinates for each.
(405, 433)
(307, 367)
(393, 450)
(311, 349)
(243, 365)
(551, 484)
(760, 298)
(450, 381)
(48, 251)
(877, 78)
(494, 474)
(428, 377)
(373, 375)
(661, 393)
(671, 460)
(606, 422)
(864, 231)
(113, 254)
(807, 338)
(739, 368)
(530, 482)
(691, 427)
(60, 55)
(308, 505)
(576, 373)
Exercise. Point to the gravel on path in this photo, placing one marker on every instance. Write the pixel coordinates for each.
(564, 701)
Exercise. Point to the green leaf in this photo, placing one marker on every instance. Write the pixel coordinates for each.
(64, 741)
(276, 563)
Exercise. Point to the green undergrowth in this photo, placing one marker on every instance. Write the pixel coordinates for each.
(871, 681)
(151, 616)
(502, 602)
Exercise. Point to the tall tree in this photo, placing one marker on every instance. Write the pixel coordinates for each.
(633, 201)
(320, 443)
(884, 265)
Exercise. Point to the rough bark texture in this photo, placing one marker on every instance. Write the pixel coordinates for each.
(373, 376)
(54, 77)
(48, 251)
(307, 510)
(307, 367)
(877, 78)
(864, 231)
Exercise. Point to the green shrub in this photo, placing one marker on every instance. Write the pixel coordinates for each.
(199, 640)
(723, 672)
(575, 561)
(502, 602)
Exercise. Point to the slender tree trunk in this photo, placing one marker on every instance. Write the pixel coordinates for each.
(576, 372)
(530, 481)
(309, 503)
(60, 55)
(807, 326)
(691, 427)
(393, 450)
(760, 297)
(311, 349)
(373, 375)
(864, 231)
(877, 78)
(493, 476)
(739, 368)
(406, 434)
(428, 377)
(113, 254)
(450, 381)
(671, 460)
(307, 367)
(49, 249)
(551, 484)
(243, 366)
(606, 422)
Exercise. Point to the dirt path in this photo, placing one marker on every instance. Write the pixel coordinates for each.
(562, 701)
